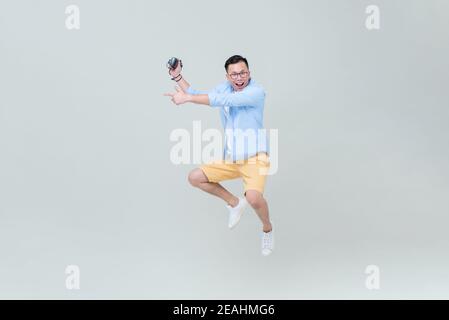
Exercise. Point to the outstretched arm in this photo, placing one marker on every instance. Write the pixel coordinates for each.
(180, 97)
(249, 97)
(199, 99)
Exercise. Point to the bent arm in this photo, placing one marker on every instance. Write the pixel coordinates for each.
(183, 84)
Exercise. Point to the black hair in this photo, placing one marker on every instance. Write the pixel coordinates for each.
(235, 59)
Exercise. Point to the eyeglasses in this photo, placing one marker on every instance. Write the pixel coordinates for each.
(242, 75)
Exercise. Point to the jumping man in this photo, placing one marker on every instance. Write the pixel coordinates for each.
(240, 101)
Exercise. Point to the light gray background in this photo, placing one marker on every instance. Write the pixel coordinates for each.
(85, 175)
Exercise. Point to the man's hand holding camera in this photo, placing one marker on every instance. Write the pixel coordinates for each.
(181, 96)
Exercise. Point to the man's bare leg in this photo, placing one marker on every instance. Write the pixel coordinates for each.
(260, 205)
(198, 179)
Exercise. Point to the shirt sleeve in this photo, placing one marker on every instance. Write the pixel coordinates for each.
(249, 97)
(218, 88)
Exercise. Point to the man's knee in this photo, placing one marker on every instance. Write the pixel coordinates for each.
(254, 198)
(197, 176)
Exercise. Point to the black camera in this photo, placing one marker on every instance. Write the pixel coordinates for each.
(173, 63)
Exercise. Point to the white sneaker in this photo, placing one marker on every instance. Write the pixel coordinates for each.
(235, 213)
(267, 243)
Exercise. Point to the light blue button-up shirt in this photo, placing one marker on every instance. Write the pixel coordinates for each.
(241, 113)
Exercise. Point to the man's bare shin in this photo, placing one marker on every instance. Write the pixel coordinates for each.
(218, 190)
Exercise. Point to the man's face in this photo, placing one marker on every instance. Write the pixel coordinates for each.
(238, 75)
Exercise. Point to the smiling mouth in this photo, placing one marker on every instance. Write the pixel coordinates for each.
(239, 85)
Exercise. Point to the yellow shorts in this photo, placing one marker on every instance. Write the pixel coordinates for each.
(253, 171)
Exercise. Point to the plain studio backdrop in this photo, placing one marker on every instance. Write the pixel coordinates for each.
(85, 171)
